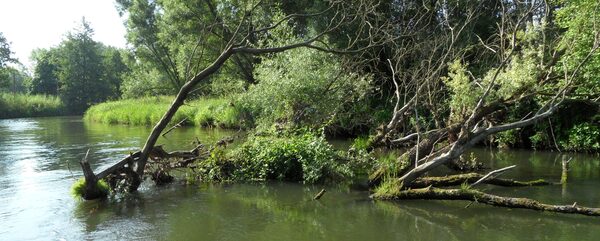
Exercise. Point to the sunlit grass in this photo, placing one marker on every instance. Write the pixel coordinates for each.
(23, 105)
(149, 110)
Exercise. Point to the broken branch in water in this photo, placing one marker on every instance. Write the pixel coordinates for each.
(495, 172)
(175, 126)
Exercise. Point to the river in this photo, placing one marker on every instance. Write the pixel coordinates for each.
(39, 162)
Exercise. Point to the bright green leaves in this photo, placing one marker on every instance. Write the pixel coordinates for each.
(580, 20)
(464, 90)
(301, 86)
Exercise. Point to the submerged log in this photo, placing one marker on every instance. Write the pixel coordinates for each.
(433, 193)
(455, 180)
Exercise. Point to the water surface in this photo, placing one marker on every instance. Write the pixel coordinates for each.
(39, 162)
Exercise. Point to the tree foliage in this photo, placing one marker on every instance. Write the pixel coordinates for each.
(80, 70)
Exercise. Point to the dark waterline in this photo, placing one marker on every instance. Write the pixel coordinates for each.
(39, 162)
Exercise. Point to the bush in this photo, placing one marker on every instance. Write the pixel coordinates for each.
(292, 157)
(302, 87)
(583, 137)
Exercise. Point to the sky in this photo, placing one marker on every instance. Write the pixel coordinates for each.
(31, 24)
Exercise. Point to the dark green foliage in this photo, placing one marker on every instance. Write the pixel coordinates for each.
(583, 137)
(81, 71)
(45, 80)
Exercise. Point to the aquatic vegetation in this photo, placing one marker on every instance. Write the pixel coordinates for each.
(78, 188)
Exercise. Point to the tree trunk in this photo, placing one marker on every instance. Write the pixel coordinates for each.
(179, 100)
(91, 190)
(455, 180)
(480, 197)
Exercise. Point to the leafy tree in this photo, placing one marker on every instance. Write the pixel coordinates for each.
(45, 73)
(115, 68)
(81, 75)
(5, 58)
(180, 38)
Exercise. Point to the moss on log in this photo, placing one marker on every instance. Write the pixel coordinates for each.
(454, 180)
(433, 193)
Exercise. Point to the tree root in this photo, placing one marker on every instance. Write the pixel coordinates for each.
(454, 180)
(481, 197)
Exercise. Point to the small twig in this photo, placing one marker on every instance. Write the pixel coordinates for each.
(175, 126)
(319, 195)
(86, 155)
(499, 171)
(553, 137)
(471, 203)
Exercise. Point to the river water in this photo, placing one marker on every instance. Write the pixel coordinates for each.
(39, 162)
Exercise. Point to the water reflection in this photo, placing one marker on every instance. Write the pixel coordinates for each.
(39, 161)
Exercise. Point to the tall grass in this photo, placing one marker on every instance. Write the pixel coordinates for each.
(24, 105)
(149, 110)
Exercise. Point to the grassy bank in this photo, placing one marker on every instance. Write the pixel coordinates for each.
(148, 110)
(23, 105)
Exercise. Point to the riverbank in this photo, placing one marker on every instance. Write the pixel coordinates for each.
(24, 105)
(147, 111)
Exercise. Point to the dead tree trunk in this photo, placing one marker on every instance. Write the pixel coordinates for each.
(91, 190)
(454, 180)
(480, 197)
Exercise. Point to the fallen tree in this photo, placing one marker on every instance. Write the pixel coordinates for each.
(477, 106)
(432, 193)
(121, 176)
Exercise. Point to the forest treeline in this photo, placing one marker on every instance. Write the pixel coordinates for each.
(438, 57)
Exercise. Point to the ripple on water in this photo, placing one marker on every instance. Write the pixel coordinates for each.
(19, 125)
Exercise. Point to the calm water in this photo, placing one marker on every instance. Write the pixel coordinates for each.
(39, 162)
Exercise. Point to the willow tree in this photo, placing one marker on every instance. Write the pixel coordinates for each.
(529, 56)
(244, 29)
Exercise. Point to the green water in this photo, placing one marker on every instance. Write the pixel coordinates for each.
(38, 163)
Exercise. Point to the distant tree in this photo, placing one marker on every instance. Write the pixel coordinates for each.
(4, 60)
(115, 68)
(81, 76)
(45, 73)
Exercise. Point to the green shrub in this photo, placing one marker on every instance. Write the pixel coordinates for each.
(361, 143)
(583, 137)
(307, 158)
(302, 87)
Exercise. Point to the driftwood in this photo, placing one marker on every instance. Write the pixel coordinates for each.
(122, 173)
(431, 193)
(319, 195)
(174, 127)
(454, 180)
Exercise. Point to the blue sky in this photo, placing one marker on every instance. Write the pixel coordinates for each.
(31, 24)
